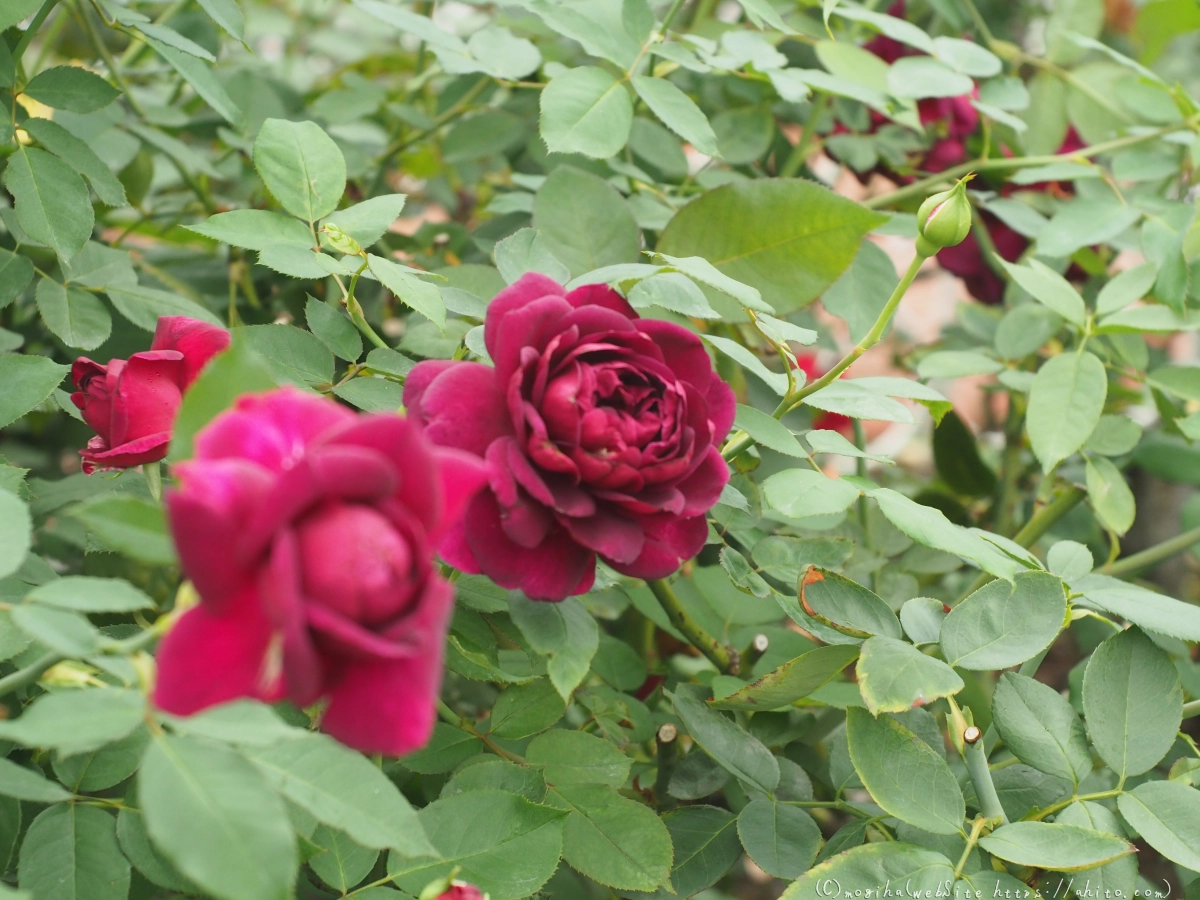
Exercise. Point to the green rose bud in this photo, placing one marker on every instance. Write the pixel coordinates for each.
(944, 219)
(341, 242)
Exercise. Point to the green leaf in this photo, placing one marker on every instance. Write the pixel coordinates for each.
(16, 10)
(782, 840)
(957, 364)
(52, 202)
(498, 774)
(448, 747)
(372, 394)
(144, 306)
(584, 221)
(370, 220)
(846, 606)
(790, 239)
(28, 381)
(918, 77)
(1120, 874)
(213, 816)
(293, 355)
(343, 790)
(1004, 624)
(103, 768)
(301, 166)
(525, 251)
(1181, 381)
(1110, 495)
(678, 112)
(227, 14)
(301, 262)
(522, 710)
(1065, 403)
(776, 381)
(343, 863)
(80, 157)
(333, 329)
(200, 76)
(702, 270)
(71, 852)
(15, 274)
(1039, 726)
(77, 721)
(76, 317)
(72, 88)
(1132, 702)
(1050, 288)
(564, 631)
(505, 845)
(420, 295)
(876, 865)
(135, 844)
(706, 847)
(1069, 19)
(255, 229)
(894, 676)
(1064, 848)
(1083, 223)
(904, 775)
(793, 680)
(239, 370)
(768, 431)
(26, 784)
(724, 740)
(613, 840)
(860, 293)
(16, 528)
(1126, 287)
(673, 291)
(801, 493)
(586, 110)
(572, 757)
(66, 633)
(1140, 606)
(1167, 816)
(129, 525)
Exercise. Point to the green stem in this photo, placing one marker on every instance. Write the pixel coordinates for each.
(453, 718)
(27, 37)
(1041, 522)
(1063, 804)
(1002, 164)
(356, 311)
(1191, 708)
(1153, 555)
(28, 675)
(981, 777)
(799, 155)
(972, 840)
(740, 442)
(717, 653)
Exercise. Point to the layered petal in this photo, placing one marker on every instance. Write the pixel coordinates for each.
(148, 449)
(198, 342)
(601, 295)
(464, 407)
(147, 397)
(669, 541)
(529, 287)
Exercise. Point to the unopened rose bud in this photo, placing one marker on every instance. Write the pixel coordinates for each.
(449, 888)
(341, 242)
(944, 219)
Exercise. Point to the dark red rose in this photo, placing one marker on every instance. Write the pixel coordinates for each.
(131, 403)
(600, 430)
(308, 532)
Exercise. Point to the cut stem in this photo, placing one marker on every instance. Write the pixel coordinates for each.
(981, 777)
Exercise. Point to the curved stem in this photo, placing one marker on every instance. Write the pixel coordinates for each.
(28, 675)
(1152, 555)
(354, 308)
(32, 30)
(718, 654)
(1191, 708)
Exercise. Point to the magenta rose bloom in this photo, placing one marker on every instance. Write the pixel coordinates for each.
(131, 403)
(600, 431)
(308, 531)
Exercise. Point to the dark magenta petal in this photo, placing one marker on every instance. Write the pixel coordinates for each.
(150, 448)
(669, 541)
(454, 549)
(682, 351)
(529, 287)
(601, 295)
(461, 476)
(197, 341)
(349, 640)
(702, 488)
(530, 326)
(418, 380)
(279, 591)
(464, 407)
(273, 429)
(593, 321)
(389, 705)
(722, 407)
(206, 659)
(615, 537)
(551, 571)
(149, 391)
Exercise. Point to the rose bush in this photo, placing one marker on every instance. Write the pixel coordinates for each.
(308, 532)
(131, 403)
(601, 432)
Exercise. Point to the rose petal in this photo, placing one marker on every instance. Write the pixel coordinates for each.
(207, 659)
(616, 538)
(280, 592)
(722, 407)
(148, 393)
(464, 408)
(272, 429)
(682, 351)
(529, 287)
(532, 325)
(601, 295)
(702, 488)
(389, 706)
(669, 541)
(461, 476)
(150, 448)
(418, 381)
(551, 571)
(198, 342)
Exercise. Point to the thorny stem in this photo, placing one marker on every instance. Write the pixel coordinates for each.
(452, 718)
(740, 442)
(718, 654)
(1002, 164)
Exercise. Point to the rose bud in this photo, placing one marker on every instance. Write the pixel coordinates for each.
(944, 219)
(600, 430)
(308, 532)
(340, 241)
(450, 888)
(131, 403)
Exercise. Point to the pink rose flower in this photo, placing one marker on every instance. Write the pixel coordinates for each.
(600, 431)
(462, 890)
(308, 531)
(131, 403)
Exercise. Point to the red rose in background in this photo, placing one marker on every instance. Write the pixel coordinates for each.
(823, 421)
(600, 431)
(131, 403)
(462, 890)
(308, 531)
